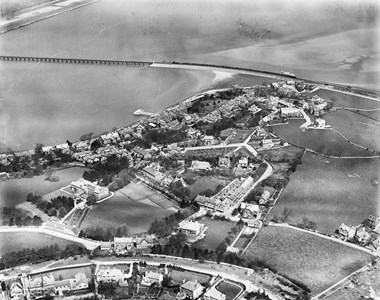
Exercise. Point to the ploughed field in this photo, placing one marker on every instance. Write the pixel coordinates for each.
(316, 262)
(134, 205)
(330, 192)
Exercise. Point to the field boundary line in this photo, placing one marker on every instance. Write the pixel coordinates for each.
(357, 247)
(339, 282)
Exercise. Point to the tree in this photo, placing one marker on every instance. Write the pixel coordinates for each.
(286, 213)
(178, 241)
(36, 221)
(62, 212)
(11, 221)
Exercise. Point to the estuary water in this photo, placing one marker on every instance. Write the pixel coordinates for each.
(50, 103)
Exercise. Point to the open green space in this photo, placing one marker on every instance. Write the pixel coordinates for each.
(357, 128)
(15, 241)
(135, 205)
(207, 183)
(316, 262)
(231, 290)
(216, 232)
(322, 141)
(13, 192)
(182, 276)
(330, 192)
(346, 100)
(70, 273)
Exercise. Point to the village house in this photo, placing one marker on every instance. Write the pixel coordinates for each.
(123, 244)
(264, 198)
(191, 290)
(16, 291)
(224, 162)
(243, 162)
(153, 172)
(213, 294)
(208, 140)
(83, 188)
(250, 211)
(194, 230)
(41, 285)
(362, 235)
(152, 278)
(79, 282)
(290, 112)
(110, 274)
(347, 232)
(139, 153)
(200, 165)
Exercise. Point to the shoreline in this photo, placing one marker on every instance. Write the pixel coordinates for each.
(42, 11)
(204, 83)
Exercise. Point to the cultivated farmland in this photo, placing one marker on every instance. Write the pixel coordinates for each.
(330, 192)
(135, 205)
(312, 260)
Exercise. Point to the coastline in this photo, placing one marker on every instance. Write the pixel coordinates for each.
(41, 12)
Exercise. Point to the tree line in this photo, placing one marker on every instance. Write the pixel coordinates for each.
(13, 216)
(33, 256)
(99, 233)
(57, 207)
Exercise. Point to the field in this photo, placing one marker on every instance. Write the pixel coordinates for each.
(217, 231)
(231, 290)
(206, 182)
(134, 205)
(13, 192)
(283, 154)
(16, 241)
(181, 276)
(70, 273)
(345, 100)
(357, 128)
(330, 192)
(314, 261)
(323, 141)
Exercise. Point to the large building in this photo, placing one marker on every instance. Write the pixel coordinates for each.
(41, 285)
(83, 188)
(193, 230)
(291, 112)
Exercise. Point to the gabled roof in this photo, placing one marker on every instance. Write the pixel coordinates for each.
(214, 293)
(192, 285)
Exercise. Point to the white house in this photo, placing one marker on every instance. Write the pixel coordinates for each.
(200, 165)
(347, 232)
(191, 289)
(213, 294)
(152, 277)
(110, 275)
(16, 291)
(193, 230)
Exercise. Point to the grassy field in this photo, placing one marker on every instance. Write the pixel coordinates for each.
(314, 261)
(357, 128)
(323, 141)
(70, 273)
(229, 289)
(206, 182)
(13, 192)
(135, 205)
(330, 192)
(217, 231)
(180, 276)
(16, 241)
(345, 100)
